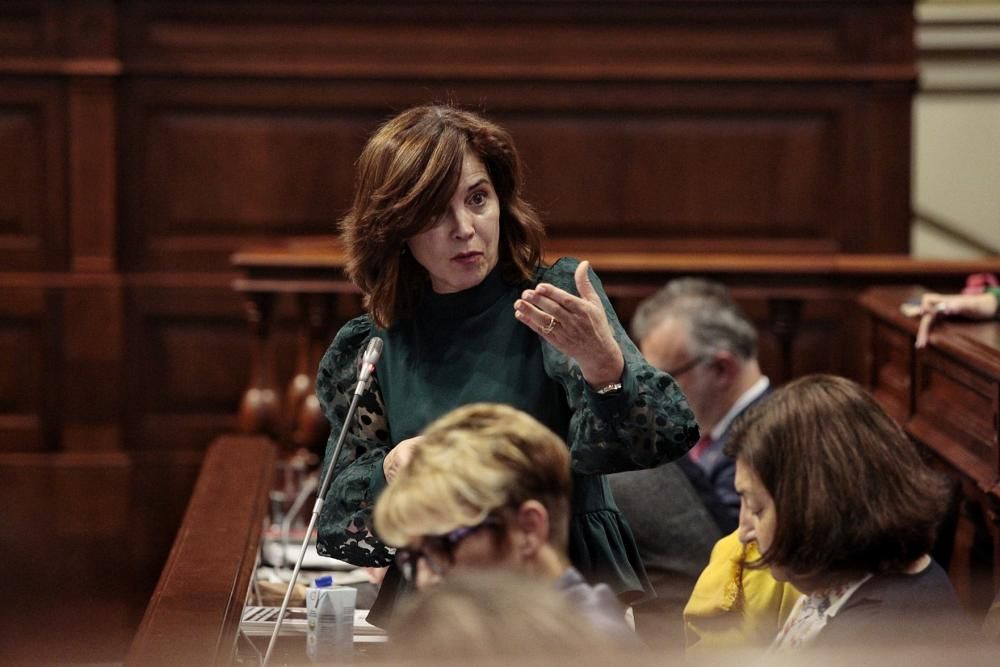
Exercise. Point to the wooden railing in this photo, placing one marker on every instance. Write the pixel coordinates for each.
(194, 614)
(803, 306)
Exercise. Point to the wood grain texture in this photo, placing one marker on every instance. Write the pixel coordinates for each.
(947, 398)
(194, 613)
(144, 143)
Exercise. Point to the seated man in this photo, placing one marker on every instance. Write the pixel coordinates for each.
(489, 487)
(693, 330)
(675, 535)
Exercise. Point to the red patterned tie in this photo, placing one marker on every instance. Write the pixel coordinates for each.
(699, 447)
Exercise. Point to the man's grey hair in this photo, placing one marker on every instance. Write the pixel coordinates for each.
(715, 322)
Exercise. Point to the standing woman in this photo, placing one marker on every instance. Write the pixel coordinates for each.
(448, 256)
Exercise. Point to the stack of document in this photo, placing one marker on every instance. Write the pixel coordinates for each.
(260, 621)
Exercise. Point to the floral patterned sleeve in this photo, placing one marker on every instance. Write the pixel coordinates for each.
(345, 530)
(645, 424)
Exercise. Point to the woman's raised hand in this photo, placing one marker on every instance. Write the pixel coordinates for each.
(577, 326)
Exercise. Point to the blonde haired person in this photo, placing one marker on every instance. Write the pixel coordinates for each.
(495, 617)
(489, 488)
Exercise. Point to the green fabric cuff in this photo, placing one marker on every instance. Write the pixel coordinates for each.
(377, 482)
(610, 406)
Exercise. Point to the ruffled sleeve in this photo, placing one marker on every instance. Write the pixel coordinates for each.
(345, 529)
(645, 424)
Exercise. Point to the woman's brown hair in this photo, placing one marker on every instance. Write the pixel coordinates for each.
(851, 492)
(406, 174)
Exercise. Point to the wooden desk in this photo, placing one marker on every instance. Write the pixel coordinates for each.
(947, 397)
(193, 617)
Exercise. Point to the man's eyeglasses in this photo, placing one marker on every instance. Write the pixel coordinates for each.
(438, 551)
(684, 368)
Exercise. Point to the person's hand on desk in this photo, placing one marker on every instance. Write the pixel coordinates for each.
(399, 457)
(933, 306)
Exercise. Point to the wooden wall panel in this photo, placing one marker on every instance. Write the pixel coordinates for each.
(667, 167)
(91, 352)
(32, 172)
(211, 170)
(92, 159)
(743, 173)
(141, 143)
(728, 125)
(189, 365)
(189, 361)
(86, 535)
(499, 39)
(217, 173)
(65, 540)
(24, 29)
(25, 358)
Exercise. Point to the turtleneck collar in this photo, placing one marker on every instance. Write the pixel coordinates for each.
(467, 303)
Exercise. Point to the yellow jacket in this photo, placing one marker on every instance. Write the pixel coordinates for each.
(733, 606)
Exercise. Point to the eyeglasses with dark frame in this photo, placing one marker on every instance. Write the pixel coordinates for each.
(438, 551)
(687, 367)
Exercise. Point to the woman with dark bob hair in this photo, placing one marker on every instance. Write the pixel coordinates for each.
(841, 506)
(449, 256)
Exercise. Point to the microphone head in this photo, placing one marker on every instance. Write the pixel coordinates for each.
(372, 352)
(368, 361)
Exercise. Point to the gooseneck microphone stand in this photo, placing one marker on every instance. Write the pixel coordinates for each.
(368, 361)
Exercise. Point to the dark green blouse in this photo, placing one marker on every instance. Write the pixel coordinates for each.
(467, 347)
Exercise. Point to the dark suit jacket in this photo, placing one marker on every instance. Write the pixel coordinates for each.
(675, 535)
(901, 610)
(714, 478)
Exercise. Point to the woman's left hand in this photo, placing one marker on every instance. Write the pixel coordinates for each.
(577, 326)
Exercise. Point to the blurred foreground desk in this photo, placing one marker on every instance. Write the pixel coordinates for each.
(193, 617)
(947, 398)
(290, 648)
(198, 613)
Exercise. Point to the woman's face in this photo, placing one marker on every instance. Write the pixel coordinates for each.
(463, 245)
(758, 519)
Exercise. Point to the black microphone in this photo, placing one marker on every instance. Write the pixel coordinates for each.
(368, 361)
(365, 374)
